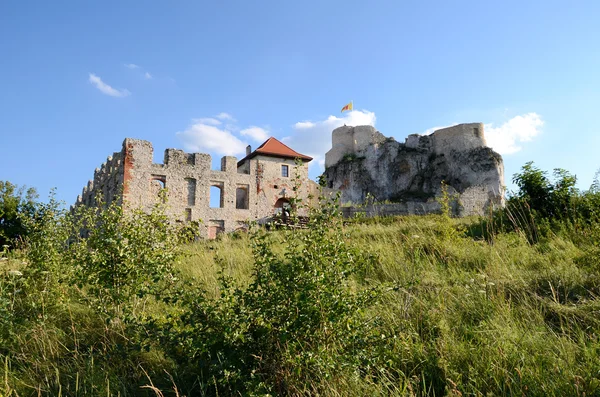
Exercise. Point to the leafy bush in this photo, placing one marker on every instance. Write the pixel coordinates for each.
(542, 206)
(15, 204)
(77, 307)
(380, 306)
(301, 320)
(558, 200)
(122, 257)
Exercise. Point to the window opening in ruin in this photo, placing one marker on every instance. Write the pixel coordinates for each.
(476, 131)
(159, 180)
(191, 191)
(284, 171)
(188, 214)
(241, 197)
(157, 183)
(216, 195)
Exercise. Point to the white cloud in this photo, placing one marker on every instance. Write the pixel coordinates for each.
(220, 135)
(313, 138)
(207, 120)
(434, 129)
(255, 133)
(147, 75)
(202, 137)
(107, 89)
(224, 116)
(505, 139)
(303, 125)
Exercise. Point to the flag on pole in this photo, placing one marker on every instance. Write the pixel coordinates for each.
(347, 107)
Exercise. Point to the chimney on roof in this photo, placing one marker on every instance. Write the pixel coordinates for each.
(248, 150)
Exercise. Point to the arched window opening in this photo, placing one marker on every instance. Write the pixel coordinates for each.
(157, 184)
(216, 195)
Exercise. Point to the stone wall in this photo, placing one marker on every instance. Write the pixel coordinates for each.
(352, 140)
(107, 182)
(271, 186)
(247, 192)
(412, 172)
(391, 209)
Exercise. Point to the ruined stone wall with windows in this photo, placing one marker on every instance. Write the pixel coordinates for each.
(275, 180)
(240, 193)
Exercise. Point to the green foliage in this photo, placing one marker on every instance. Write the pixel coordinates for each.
(16, 203)
(543, 206)
(551, 200)
(112, 302)
(121, 258)
(351, 158)
(301, 319)
(534, 187)
(76, 308)
(444, 201)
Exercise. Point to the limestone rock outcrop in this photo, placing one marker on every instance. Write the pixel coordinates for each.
(363, 163)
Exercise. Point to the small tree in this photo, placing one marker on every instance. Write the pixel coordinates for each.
(546, 199)
(15, 203)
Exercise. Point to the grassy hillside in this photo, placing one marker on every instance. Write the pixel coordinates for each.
(470, 316)
(407, 306)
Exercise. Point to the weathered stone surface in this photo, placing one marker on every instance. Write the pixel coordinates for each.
(249, 191)
(355, 140)
(363, 162)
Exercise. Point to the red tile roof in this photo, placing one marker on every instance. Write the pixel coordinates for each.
(272, 147)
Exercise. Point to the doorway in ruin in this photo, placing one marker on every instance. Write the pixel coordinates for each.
(215, 227)
(282, 204)
(213, 231)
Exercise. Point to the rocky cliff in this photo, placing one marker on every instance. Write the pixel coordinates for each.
(363, 163)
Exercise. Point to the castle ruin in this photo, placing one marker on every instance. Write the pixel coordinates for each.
(252, 189)
(364, 166)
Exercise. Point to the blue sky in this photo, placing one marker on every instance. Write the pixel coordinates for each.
(77, 77)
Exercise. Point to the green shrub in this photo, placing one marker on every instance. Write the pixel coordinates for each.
(15, 205)
(300, 323)
(380, 306)
(71, 321)
(120, 258)
(542, 206)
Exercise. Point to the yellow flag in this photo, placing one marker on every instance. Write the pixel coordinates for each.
(347, 107)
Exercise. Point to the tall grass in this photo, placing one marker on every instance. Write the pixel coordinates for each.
(503, 305)
(469, 316)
